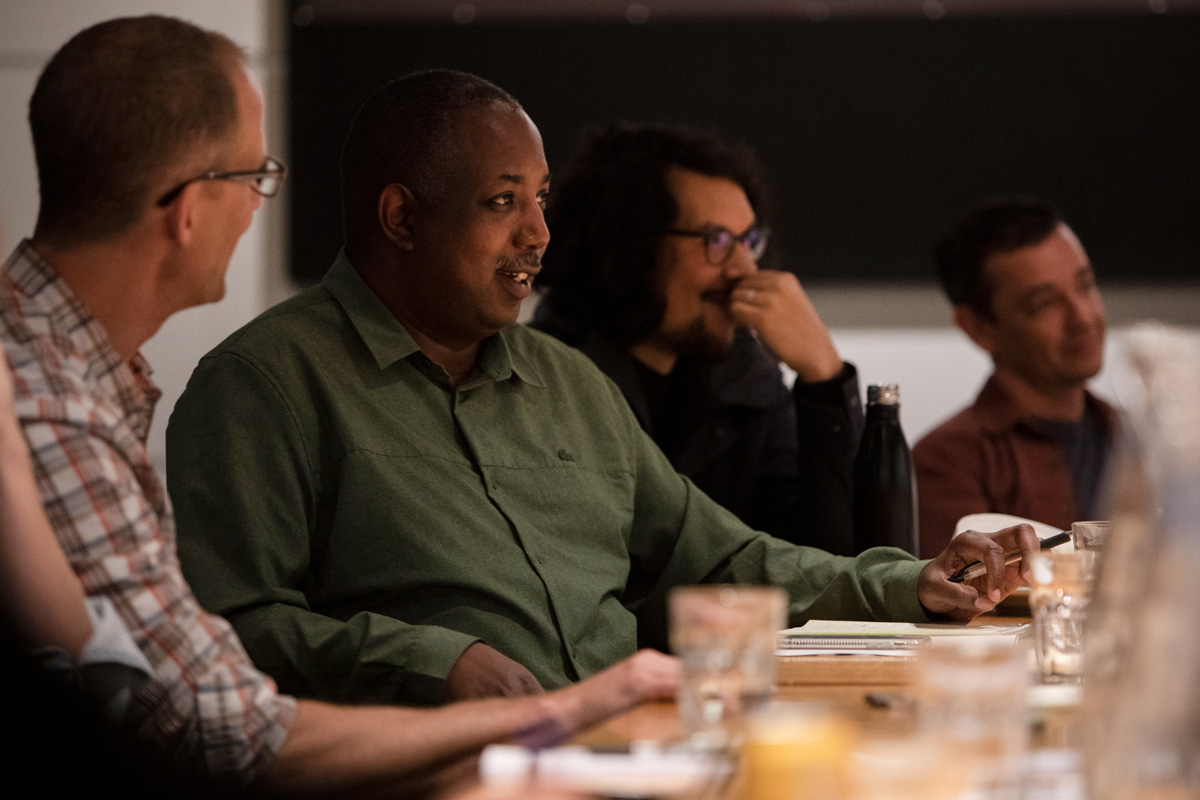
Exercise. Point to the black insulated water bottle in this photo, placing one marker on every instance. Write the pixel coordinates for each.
(885, 493)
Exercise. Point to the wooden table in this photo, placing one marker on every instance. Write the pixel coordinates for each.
(841, 683)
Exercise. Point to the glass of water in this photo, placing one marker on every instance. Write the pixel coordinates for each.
(1092, 535)
(726, 638)
(1058, 601)
(971, 693)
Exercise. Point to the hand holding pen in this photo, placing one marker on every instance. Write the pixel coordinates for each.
(974, 570)
(1000, 567)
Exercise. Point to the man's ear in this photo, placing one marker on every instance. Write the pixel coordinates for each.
(981, 330)
(395, 210)
(180, 220)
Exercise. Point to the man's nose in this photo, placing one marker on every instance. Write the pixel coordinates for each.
(740, 263)
(533, 233)
(1085, 309)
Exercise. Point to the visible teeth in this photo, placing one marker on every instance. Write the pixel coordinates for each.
(521, 276)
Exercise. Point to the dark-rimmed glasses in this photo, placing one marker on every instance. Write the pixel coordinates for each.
(719, 242)
(265, 180)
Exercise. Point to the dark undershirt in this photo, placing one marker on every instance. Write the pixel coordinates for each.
(668, 405)
(1084, 448)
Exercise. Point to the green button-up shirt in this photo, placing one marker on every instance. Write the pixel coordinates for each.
(362, 521)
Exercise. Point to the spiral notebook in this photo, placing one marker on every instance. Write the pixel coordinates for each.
(821, 637)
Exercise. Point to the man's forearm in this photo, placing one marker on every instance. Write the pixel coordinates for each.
(388, 751)
(380, 751)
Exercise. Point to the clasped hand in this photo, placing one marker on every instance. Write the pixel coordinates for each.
(962, 601)
(775, 305)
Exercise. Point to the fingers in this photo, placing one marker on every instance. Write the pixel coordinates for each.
(658, 674)
(644, 676)
(975, 546)
(956, 601)
(767, 291)
(1028, 543)
(776, 306)
(648, 675)
(484, 672)
(520, 683)
(940, 596)
(1003, 577)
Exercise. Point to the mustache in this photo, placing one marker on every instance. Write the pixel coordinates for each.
(525, 262)
(719, 294)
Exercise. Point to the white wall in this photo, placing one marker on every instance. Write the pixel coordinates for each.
(893, 333)
(30, 32)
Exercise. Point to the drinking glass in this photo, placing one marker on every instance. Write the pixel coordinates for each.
(796, 751)
(1058, 601)
(904, 765)
(971, 691)
(1091, 535)
(726, 638)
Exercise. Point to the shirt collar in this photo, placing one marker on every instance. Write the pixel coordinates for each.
(1002, 413)
(384, 336)
(390, 342)
(127, 383)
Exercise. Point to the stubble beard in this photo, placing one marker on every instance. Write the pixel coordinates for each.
(696, 340)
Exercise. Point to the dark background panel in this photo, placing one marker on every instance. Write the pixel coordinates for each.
(876, 132)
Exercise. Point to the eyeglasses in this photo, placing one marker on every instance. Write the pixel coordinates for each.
(719, 242)
(265, 180)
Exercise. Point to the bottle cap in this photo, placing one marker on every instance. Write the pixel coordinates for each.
(884, 394)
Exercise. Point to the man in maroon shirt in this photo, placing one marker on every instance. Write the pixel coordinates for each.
(1035, 441)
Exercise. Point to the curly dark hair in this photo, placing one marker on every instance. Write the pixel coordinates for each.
(608, 213)
(998, 225)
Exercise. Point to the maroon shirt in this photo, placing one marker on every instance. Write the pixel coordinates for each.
(992, 457)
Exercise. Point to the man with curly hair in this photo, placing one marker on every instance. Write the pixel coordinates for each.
(659, 270)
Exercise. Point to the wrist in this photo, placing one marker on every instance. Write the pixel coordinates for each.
(818, 372)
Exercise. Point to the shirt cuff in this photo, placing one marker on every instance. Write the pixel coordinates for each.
(901, 594)
(436, 655)
(837, 392)
(896, 573)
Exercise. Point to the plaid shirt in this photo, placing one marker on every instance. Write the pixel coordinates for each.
(85, 413)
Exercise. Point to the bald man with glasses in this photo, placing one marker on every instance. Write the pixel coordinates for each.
(659, 270)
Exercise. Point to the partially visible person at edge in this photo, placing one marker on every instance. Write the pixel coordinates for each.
(151, 163)
(396, 492)
(1035, 441)
(656, 271)
(71, 664)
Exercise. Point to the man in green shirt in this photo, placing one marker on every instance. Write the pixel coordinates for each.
(397, 495)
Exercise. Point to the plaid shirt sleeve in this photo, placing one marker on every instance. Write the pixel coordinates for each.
(85, 412)
(206, 701)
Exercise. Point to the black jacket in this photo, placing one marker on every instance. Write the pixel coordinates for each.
(780, 460)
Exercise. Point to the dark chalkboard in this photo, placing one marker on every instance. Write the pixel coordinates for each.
(876, 132)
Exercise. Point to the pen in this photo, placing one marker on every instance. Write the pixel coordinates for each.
(976, 568)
